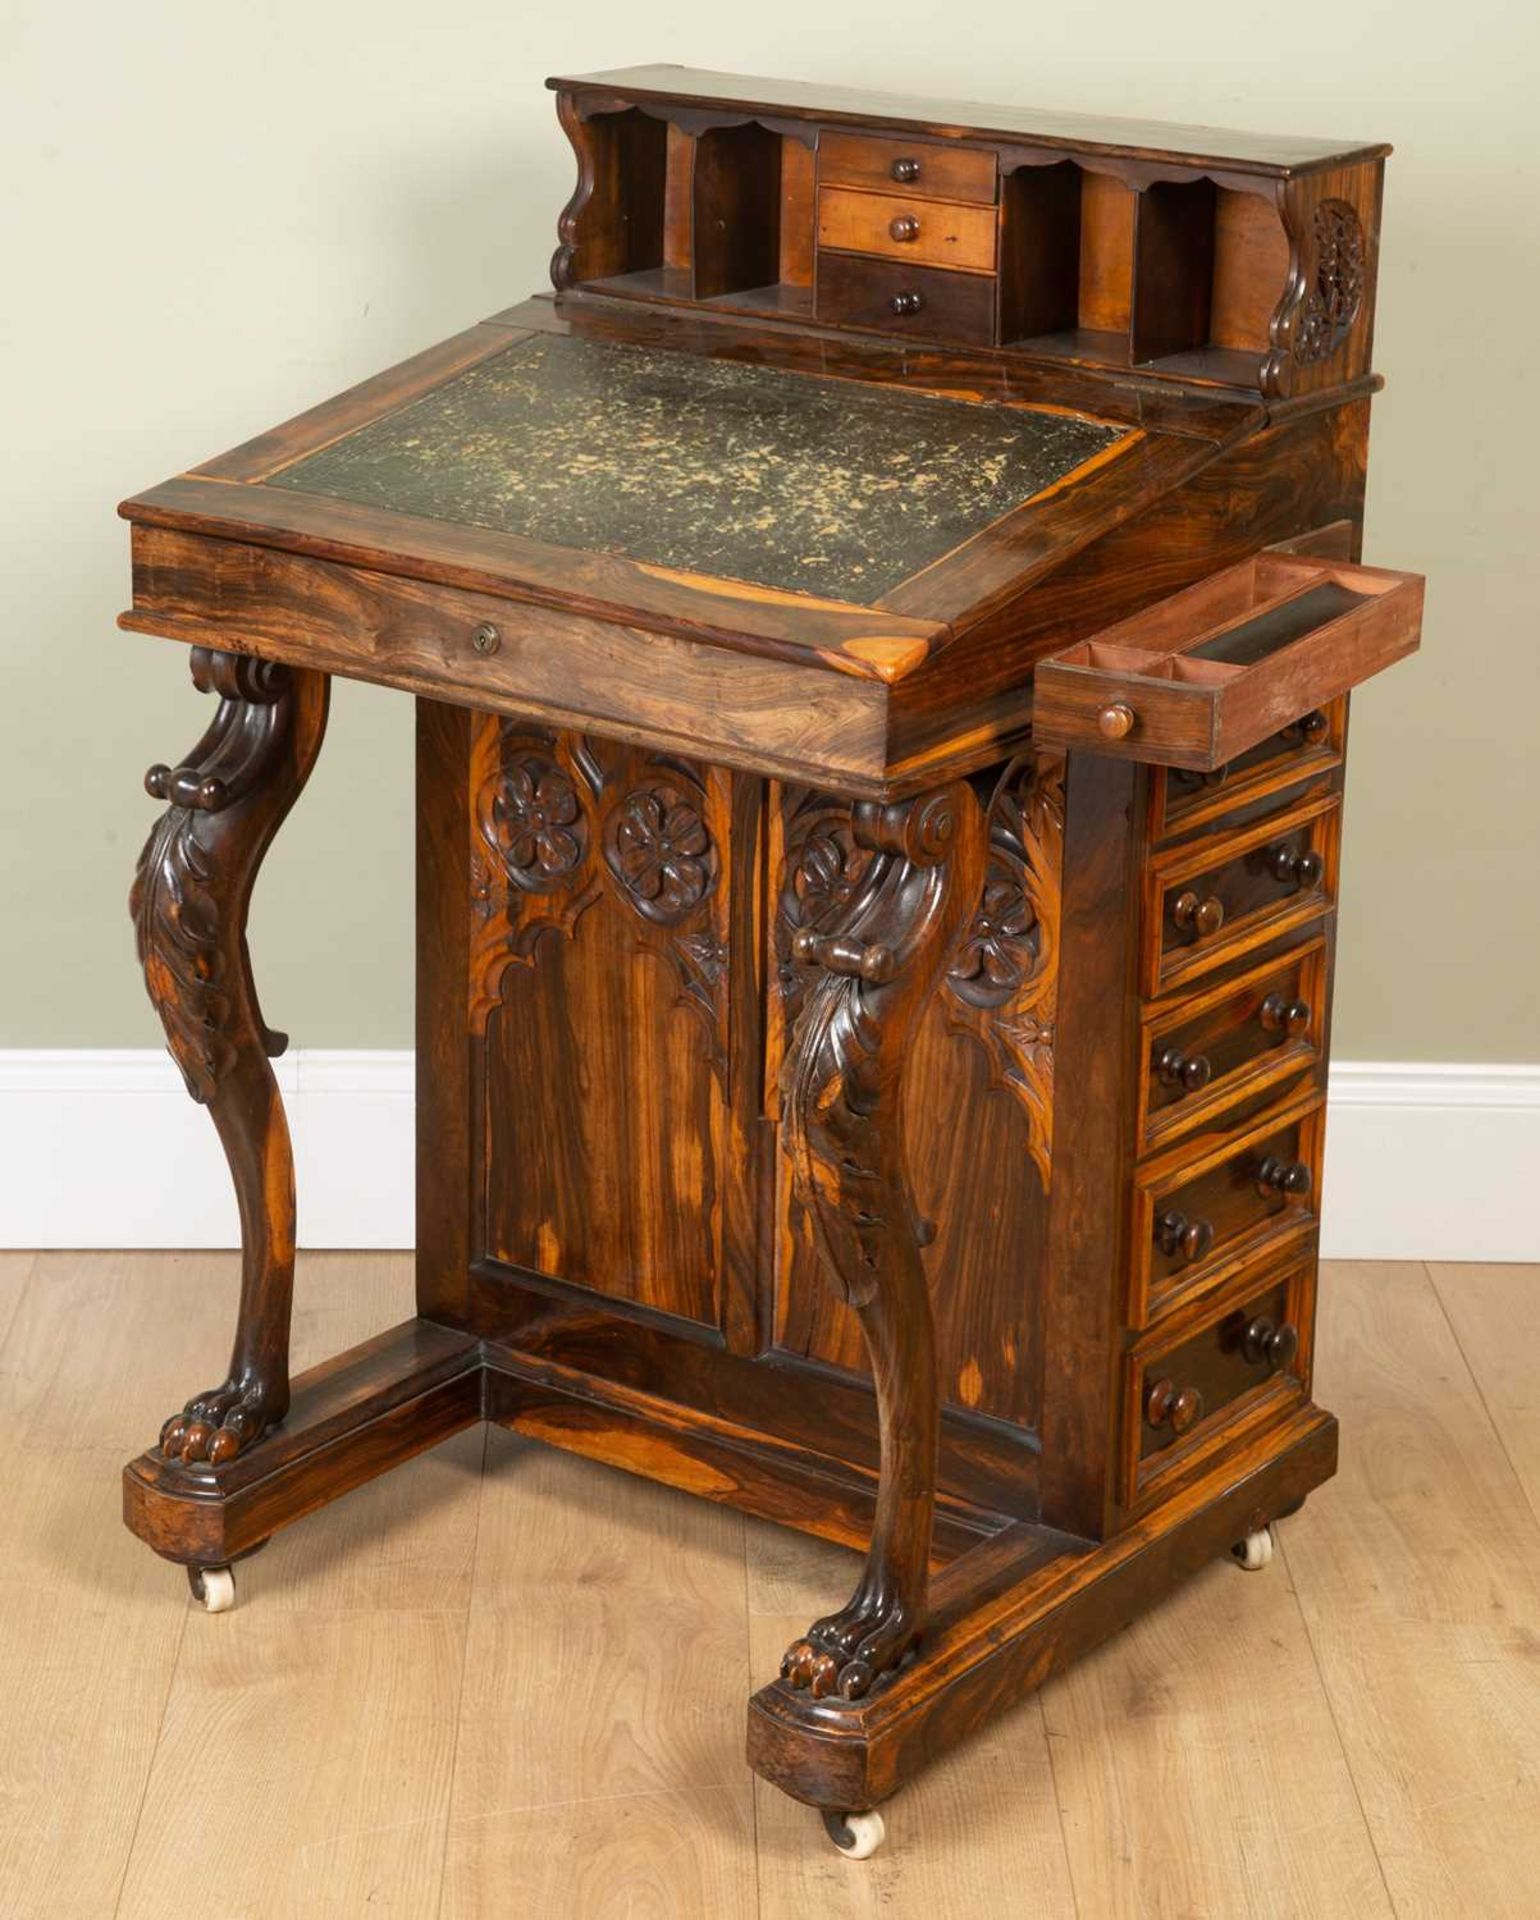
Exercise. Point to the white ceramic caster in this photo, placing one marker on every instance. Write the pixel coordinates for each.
(1255, 1551)
(857, 1835)
(213, 1588)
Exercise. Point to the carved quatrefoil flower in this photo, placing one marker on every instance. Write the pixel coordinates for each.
(535, 814)
(825, 879)
(662, 854)
(1001, 946)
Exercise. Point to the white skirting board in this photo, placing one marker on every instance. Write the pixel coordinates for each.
(104, 1149)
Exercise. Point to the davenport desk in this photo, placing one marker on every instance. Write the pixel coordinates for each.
(881, 638)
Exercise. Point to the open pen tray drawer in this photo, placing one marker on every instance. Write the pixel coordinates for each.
(1199, 678)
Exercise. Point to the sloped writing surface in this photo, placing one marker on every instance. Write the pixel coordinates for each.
(782, 480)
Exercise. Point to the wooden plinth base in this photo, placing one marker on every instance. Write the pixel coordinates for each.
(1012, 1603)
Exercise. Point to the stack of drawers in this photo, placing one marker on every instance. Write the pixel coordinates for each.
(1239, 885)
(907, 235)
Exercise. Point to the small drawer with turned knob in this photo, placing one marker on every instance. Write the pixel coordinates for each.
(1237, 1044)
(1210, 900)
(1206, 1208)
(936, 233)
(903, 297)
(1305, 749)
(941, 170)
(1190, 1381)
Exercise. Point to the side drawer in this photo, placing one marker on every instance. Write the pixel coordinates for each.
(1212, 900)
(899, 298)
(943, 171)
(930, 233)
(1182, 801)
(1237, 1041)
(1190, 1385)
(1199, 679)
(1206, 1209)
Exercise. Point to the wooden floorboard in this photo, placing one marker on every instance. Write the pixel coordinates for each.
(506, 1681)
(1418, 1573)
(1492, 1311)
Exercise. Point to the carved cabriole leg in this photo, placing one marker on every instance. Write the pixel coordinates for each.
(842, 1106)
(189, 901)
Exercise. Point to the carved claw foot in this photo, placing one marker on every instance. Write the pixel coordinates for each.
(847, 1652)
(219, 1424)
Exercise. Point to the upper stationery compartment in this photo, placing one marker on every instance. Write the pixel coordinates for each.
(1202, 677)
(1218, 259)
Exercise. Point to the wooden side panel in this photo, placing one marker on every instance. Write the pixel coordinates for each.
(1323, 329)
(614, 221)
(978, 1099)
(679, 200)
(1251, 264)
(443, 1053)
(1106, 253)
(798, 192)
(599, 1016)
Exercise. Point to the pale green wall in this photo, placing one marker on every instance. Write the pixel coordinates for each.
(215, 215)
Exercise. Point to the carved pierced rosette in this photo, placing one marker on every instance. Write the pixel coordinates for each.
(1002, 986)
(558, 822)
(1324, 297)
(1337, 285)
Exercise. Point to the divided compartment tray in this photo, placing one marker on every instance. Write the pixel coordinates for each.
(1208, 673)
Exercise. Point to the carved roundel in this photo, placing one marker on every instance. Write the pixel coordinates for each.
(536, 825)
(1337, 291)
(657, 846)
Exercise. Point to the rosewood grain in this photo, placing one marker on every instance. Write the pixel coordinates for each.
(873, 962)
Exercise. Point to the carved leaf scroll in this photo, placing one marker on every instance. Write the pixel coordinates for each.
(1003, 984)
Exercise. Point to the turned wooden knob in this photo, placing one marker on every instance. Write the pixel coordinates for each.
(1190, 1072)
(840, 953)
(908, 302)
(1279, 1014)
(187, 787)
(1168, 1405)
(1295, 868)
(1197, 917)
(1181, 1238)
(1310, 729)
(905, 171)
(1263, 1343)
(1289, 1179)
(904, 226)
(1115, 722)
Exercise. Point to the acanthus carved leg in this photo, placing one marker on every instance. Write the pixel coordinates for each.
(189, 902)
(878, 963)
